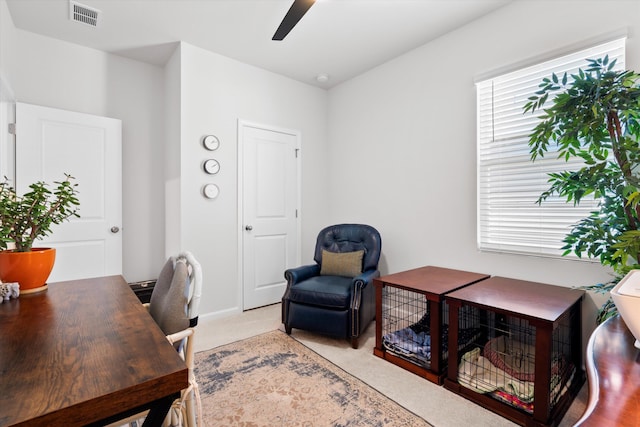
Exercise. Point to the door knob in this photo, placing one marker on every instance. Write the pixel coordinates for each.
(114, 229)
(248, 227)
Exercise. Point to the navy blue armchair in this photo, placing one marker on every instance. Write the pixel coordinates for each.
(335, 296)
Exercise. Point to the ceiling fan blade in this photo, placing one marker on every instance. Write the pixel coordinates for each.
(295, 13)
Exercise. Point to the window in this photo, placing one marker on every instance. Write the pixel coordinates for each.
(509, 183)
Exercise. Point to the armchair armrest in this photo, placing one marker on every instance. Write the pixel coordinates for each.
(365, 278)
(298, 274)
(362, 303)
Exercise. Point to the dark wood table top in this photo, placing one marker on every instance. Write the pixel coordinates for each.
(81, 352)
(530, 299)
(613, 369)
(430, 279)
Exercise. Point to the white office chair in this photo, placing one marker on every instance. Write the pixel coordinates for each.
(174, 306)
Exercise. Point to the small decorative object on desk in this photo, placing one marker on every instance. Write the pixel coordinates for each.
(626, 296)
(9, 290)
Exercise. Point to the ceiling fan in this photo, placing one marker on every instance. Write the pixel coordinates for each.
(295, 14)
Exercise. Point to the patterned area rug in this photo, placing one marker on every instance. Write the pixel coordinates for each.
(273, 380)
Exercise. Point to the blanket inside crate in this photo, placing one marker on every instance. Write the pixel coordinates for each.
(512, 356)
(414, 342)
(505, 383)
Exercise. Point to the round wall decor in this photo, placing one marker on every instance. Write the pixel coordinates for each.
(210, 191)
(211, 166)
(211, 142)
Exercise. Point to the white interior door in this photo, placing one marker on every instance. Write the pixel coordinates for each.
(269, 189)
(52, 142)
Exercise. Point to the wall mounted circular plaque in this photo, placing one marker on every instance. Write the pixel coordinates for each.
(211, 166)
(211, 142)
(211, 191)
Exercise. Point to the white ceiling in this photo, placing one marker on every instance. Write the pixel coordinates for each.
(341, 38)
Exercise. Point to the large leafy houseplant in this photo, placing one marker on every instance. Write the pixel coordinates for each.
(23, 219)
(595, 115)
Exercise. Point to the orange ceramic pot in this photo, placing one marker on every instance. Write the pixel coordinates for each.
(30, 269)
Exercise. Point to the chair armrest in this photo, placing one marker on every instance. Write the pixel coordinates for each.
(362, 303)
(298, 274)
(178, 336)
(365, 278)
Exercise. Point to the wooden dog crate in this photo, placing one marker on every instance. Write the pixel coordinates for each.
(526, 364)
(412, 318)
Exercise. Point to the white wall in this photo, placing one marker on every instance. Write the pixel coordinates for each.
(215, 93)
(7, 40)
(402, 137)
(62, 75)
(205, 93)
(7, 112)
(172, 156)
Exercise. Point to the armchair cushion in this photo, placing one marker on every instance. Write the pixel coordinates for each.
(331, 292)
(347, 264)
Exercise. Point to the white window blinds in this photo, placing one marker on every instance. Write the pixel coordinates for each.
(509, 183)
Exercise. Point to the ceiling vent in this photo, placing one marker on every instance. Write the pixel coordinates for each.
(83, 14)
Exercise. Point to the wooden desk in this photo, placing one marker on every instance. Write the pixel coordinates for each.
(84, 352)
(613, 369)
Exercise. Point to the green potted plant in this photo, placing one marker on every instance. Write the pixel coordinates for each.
(595, 116)
(23, 219)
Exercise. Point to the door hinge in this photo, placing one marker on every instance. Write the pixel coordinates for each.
(12, 128)
(297, 149)
(296, 213)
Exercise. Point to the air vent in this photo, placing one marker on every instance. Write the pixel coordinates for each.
(83, 14)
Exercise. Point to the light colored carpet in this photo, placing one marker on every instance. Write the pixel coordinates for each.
(434, 403)
(273, 380)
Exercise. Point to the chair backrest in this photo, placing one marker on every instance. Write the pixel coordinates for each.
(174, 306)
(175, 298)
(195, 286)
(350, 238)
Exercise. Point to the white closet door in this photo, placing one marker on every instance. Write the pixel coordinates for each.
(52, 142)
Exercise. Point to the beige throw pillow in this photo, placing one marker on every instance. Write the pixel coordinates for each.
(348, 264)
